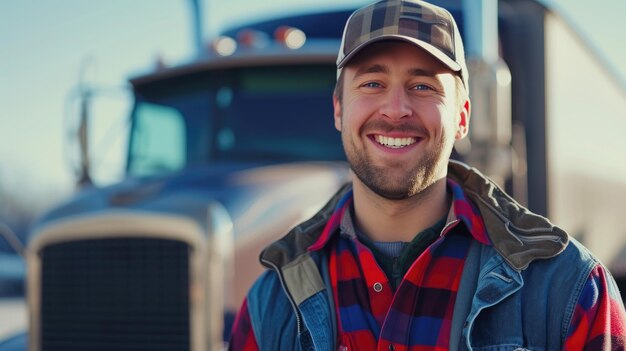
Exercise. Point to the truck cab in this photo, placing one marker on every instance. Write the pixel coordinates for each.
(226, 153)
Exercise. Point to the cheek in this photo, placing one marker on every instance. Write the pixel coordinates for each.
(440, 122)
(433, 117)
(450, 124)
(354, 115)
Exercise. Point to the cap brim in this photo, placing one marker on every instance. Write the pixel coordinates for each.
(435, 52)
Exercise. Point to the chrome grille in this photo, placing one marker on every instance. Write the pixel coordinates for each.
(115, 294)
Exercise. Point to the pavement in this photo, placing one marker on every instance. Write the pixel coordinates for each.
(13, 316)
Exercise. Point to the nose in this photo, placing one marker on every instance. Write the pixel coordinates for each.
(396, 104)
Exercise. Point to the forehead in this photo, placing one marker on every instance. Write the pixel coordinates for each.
(396, 54)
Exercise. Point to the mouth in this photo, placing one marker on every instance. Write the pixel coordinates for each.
(393, 142)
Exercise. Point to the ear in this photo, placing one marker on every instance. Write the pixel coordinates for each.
(464, 117)
(337, 110)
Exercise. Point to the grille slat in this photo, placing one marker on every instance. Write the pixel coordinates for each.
(115, 294)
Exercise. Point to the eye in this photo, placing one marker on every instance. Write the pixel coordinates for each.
(371, 85)
(422, 87)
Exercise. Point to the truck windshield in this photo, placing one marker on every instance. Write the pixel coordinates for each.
(257, 114)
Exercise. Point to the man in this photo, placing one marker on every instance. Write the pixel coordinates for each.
(420, 252)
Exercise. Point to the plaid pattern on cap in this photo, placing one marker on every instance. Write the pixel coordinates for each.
(430, 27)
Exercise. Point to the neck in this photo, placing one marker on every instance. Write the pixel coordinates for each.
(399, 220)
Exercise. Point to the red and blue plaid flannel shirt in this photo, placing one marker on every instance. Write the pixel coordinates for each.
(417, 316)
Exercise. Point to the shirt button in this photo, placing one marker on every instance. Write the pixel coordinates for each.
(391, 347)
(378, 287)
(343, 348)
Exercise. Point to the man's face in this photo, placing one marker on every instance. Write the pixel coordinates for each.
(399, 117)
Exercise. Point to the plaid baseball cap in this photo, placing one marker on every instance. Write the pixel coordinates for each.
(430, 27)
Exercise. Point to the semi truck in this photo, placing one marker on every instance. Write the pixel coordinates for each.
(229, 151)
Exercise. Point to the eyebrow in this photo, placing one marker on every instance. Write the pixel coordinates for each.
(421, 72)
(377, 68)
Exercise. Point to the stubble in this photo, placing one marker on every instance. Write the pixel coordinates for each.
(397, 180)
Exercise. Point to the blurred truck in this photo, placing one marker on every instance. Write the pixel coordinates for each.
(229, 151)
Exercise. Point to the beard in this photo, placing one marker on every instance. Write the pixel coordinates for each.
(397, 180)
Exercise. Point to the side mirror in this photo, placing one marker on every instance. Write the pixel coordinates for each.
(97, 133)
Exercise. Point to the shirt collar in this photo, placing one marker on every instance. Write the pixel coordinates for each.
(461, 210)
(464, 210)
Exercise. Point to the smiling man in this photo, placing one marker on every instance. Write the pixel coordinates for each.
(420, 252)
(399, 116)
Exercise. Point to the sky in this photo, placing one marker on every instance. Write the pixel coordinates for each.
(47, 47)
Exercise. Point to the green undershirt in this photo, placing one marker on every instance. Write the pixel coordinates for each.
(395, 267)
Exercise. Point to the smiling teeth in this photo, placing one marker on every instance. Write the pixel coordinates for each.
(394, 143)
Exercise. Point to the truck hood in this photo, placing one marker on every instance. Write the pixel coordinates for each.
(245, 191)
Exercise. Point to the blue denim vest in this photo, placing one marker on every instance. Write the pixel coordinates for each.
(498, 308)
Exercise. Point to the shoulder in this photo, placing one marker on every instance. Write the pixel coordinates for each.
(577, 254)
(560, 281)
(519, 235)
(571, 267)
(272, 316)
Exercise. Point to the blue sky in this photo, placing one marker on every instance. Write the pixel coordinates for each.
(43, 45)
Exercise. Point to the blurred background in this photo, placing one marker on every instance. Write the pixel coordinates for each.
(50, 50)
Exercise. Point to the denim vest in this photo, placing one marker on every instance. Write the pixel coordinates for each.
(498, 308)
(518, 294)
